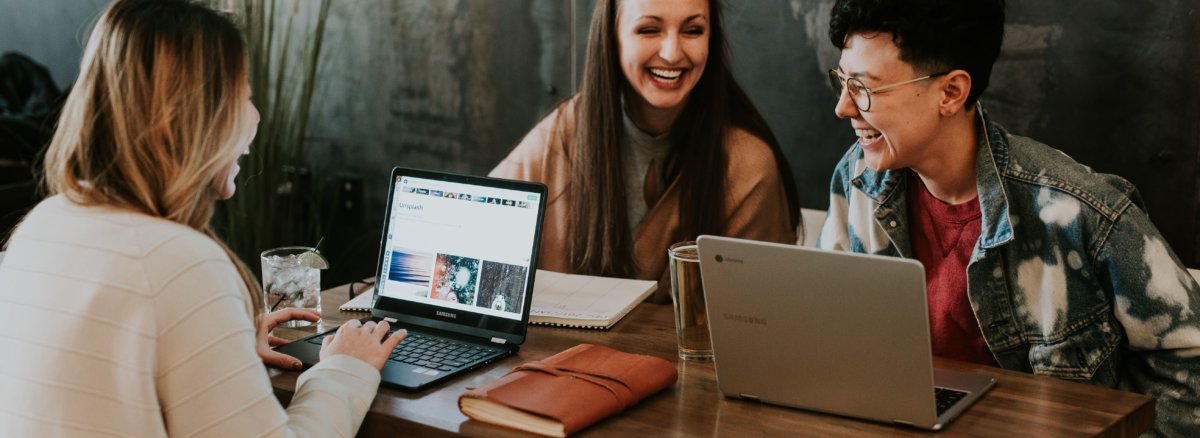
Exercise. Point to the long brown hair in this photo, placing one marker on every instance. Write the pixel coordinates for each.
(696, 160)
(151, 121)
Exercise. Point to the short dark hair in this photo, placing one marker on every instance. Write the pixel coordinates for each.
(933, 35)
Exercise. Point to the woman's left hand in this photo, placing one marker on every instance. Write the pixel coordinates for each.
(265, 340)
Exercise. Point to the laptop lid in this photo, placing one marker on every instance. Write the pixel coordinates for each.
(829, 331)
(458, 253)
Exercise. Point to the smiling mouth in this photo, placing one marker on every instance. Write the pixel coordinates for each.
(666, 75)
(866, 137)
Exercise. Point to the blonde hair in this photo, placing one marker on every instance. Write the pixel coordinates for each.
(152, 120)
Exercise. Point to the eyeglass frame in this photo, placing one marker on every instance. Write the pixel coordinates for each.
(842, 79)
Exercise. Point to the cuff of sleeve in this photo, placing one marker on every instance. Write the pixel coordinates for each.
(359, 377)
(352, 365)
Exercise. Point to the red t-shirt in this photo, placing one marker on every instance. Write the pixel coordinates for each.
(943, 237)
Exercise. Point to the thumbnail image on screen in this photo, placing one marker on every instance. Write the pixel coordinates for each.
(501, 286)
(411, 271)
(455, 279)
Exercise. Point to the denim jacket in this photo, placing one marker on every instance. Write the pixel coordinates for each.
(1068, 278)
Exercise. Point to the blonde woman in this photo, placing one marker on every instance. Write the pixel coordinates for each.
(123, 314)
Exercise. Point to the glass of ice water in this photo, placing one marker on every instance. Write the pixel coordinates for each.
(292, 278)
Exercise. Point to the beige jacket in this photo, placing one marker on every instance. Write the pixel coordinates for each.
(756, 203)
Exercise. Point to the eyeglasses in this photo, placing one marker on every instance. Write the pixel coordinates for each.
(860, 93)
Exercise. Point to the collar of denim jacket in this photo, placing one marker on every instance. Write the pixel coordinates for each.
(991, 156)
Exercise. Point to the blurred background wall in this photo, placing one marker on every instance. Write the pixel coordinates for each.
(454, 84)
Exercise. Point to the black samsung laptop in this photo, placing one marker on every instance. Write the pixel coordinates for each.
(456, 266)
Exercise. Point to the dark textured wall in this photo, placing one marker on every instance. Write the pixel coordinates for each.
(50, 31)
(448, 85)
(454, 84)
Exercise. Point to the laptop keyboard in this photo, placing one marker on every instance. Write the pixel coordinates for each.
(946, 398)
(435, 353)
(439, 353)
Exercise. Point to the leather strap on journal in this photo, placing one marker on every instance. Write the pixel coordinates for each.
(619, 390)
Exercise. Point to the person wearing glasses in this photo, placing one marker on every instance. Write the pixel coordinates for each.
(660, 145)
(1033, 262)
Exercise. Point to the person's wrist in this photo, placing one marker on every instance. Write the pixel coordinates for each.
(349, 362)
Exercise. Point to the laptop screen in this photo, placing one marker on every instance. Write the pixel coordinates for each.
(460, 249)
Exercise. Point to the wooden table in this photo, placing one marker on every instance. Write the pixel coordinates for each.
(1020, 404)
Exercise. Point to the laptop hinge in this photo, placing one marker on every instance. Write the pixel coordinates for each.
(499, 341)
(390, 320)
(906, 423)
(749, 397)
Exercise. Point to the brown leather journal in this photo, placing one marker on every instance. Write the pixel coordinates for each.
(568, 391)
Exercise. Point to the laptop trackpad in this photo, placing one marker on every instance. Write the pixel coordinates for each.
(406, 375)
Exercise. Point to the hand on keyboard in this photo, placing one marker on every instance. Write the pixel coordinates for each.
(363, 341)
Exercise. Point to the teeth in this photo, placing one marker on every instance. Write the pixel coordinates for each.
(666, 74)
(866, 133)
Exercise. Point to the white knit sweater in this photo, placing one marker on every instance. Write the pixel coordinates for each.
(117, 323)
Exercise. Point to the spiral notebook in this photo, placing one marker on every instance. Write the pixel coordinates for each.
(565, 300)
(585, 301)
(361, 302)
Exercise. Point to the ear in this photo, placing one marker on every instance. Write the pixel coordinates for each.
(954, 93)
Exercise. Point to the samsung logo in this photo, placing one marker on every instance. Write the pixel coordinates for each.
(446, 314)
(745, 318)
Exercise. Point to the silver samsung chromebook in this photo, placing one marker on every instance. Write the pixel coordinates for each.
(828, 331)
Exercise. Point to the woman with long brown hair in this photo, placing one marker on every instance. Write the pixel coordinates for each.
(125, 315)
(659, 145)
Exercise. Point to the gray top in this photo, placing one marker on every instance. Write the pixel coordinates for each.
(639, 150)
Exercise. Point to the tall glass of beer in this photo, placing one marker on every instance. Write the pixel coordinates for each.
(687, 292)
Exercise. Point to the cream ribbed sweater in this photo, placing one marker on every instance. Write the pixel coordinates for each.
(117, 323)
